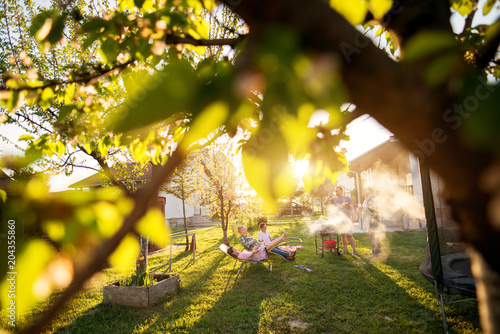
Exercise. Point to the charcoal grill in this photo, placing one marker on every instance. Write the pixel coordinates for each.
(329, 240)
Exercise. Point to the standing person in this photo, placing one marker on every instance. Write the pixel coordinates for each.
(329, 199)
(369, 210)
(344, 203)
(250, 243)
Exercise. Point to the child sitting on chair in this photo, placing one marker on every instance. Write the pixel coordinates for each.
(250, 242)
(259, 252)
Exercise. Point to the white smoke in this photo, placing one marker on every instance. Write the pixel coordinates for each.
(390, 195)
(335, 220)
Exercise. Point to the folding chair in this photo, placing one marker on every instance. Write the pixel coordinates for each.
(224, 248)
(286, 242)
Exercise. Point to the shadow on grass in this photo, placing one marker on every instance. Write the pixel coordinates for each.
(342, 294)
(106, 318)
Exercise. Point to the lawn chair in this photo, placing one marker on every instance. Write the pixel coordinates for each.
(286, 242)
(224, 248)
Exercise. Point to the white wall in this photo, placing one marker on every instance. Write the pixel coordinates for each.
(173, 207)
(417, 183)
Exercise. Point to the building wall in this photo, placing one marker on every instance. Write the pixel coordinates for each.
(173, 207)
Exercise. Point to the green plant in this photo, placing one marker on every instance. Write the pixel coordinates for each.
(141, 278)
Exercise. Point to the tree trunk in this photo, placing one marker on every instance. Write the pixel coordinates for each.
(488, 293)
(223, 223)
(185, 224)
(142, 261)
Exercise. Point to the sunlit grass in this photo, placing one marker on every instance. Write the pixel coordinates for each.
(342, 294)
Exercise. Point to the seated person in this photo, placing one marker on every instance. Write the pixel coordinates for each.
(259, 251)
(266, 238)
(250, 243)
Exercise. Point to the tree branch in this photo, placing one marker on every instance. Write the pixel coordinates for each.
(171, 39)
(141, 200)
(489, 50)
(80, 80)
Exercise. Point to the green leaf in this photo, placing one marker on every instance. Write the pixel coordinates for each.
(55, 229)
(427, 44)
(380, 7)
(95, 25)
(109, 50)
(108, 217)
(3, 195)
(139, 3)
(353, 10)
(297, 132)
(488, 6)
(56, 32)
(154, 98)
(31, 285)
(41, 25)
(47, 98)
(267, 167)
(26, 137)
(13, 100)
(103, 146)
(212, 117)
(153, 226)
(127, 251)
(64, 111)
(463, 7)
(60, 148)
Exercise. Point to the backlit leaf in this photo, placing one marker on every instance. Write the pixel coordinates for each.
(380, 31)
(488, 6)
(55, 229)
(206, 122)
(108, 217)
(152, 224)
(296, 130)
(267, 167)
(26, 137)
(380, 7)
(127, 251)
(428, 43)
(30, 285)
(354, 10)
(152, 98)
(463, 7)
(36, 189)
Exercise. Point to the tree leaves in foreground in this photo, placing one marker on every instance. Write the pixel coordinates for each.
(131, 84)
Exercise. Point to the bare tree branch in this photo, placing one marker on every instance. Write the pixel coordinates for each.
(141, 199)
(80, 80)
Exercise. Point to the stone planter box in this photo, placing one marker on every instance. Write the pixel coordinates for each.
(141, 296)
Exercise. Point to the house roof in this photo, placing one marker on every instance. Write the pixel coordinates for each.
(384, 152)
(95, 180)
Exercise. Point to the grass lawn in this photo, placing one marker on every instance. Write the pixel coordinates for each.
(342, 294)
